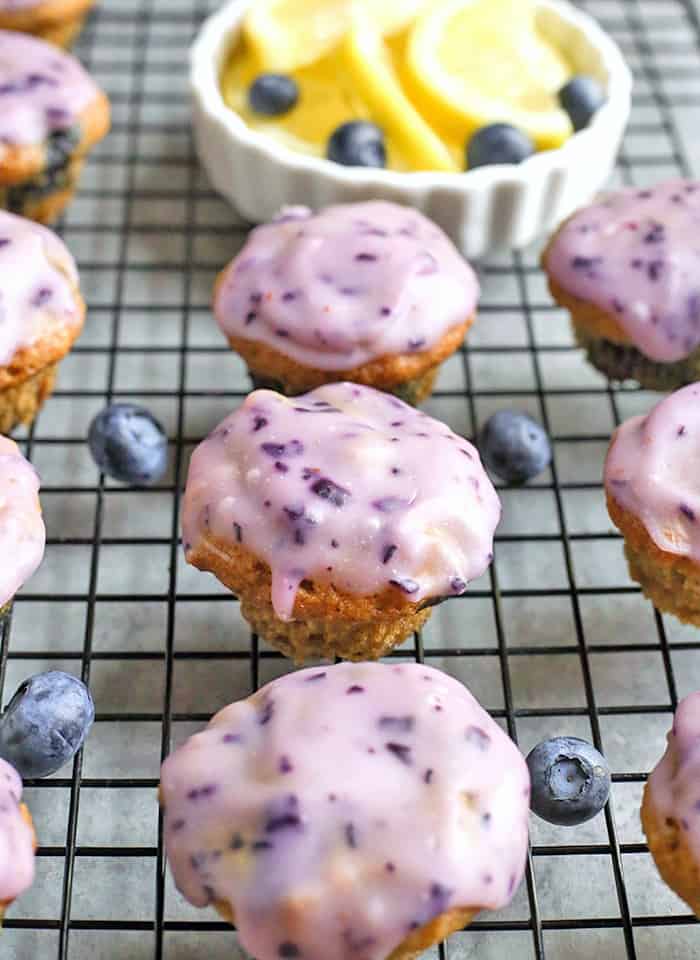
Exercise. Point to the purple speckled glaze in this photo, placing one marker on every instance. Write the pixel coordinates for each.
(653, 471)
(345, 485)
(636, 255)
(41, 89)
(674, 784)
(393, 810)
(22, 533)
(16, 838)
(337, 289)
(38, 281)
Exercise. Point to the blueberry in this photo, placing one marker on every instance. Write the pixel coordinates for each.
(60, 147)
(514, 446)
(498, 143)
(273, 94)
(581, 97)
(570, 780)
(357, 144)
(128, 444)
(45, 723)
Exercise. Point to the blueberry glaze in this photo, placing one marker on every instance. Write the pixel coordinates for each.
(347, 285)
(338, 512)
(358, 844)
(636, 255)
(42, 89)
(651, 472)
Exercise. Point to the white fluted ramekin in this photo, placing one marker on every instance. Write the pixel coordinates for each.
(482, 210)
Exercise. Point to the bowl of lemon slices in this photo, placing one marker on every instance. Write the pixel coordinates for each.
(495, 118)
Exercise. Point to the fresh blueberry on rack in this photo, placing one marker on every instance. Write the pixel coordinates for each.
(570, 780)
(514, 446)
(45, 723)
(273, 94)
(498, 143)
(128, 444)
(581, 97)
(357, 144)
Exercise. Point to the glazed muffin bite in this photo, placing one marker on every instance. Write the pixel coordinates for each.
(56, 21)
(338, 518)
(17, 842)
(51, 114)
(627, 268)
(22, 533)
(670, 812)
(370, 292)
(653, 493)
(360, 810)
(43, 314)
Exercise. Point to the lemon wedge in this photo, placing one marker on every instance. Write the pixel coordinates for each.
(470, 63)
(286, 35)
(369, 62)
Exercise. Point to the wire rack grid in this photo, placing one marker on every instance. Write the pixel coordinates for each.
(555, 639)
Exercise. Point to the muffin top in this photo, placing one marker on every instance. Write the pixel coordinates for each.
(42, 89)
(344, 485)
(16, 838)
(674, 784)
(636, 255)
(653, 471)
(337, 289)
(340, 808)
(38, 284)
(22, 533)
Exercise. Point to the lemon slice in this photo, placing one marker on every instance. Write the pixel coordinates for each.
(470, 63)
(286, 35)
(370, 65)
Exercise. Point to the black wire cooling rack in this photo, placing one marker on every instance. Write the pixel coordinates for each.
(555, 639)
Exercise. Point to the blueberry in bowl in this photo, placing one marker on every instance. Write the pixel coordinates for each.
(581, 97)
(45, 723)
(357, 144)
(273, 94)
(498, 143)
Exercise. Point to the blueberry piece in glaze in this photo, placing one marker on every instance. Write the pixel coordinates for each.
(45, 723)
(357, 144)
(288, 950)
(498, 143)
(401, 751)
(328, 490)
(570, 780)
(514, 446)
(129, 444)
(405, 584)
(581, 97)
(273, 94)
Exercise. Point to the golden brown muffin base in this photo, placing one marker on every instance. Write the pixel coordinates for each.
(56, 21)
(27, 817)
(327, 622)
(672, 855)
(416, 942)
(21, 404)
(411, 391)
(384, 373)
(671, 582)
(21, 164)
(28, 379)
